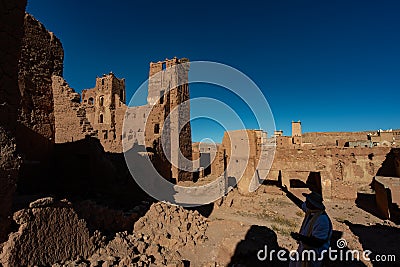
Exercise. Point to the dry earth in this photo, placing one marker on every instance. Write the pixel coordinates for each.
(244, 224)
(232, 231)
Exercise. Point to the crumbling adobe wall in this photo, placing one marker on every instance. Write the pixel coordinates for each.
(330, 138)
(163, 125)
(216, 154)
(49, 231)
(134, 129)
(70, 118)
(105, 110)
(41, 57)
(169, 97)
(243, 152)
(11, 32)
(349, 166)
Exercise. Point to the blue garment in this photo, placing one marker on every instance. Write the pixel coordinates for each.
(322, 229)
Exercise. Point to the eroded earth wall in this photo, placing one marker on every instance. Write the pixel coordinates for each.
(11, 32)
(41, 57)
(71, 122)
(339, 167)
(49, 231)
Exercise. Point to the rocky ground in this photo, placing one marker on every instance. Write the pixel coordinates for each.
(243, 224)
(228, 233)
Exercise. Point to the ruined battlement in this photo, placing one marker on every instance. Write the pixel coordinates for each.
(156, 67)
(108, 88)
(168, 77)
(166, 115)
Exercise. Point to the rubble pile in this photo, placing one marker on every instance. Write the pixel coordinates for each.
(155, 240)
(134, 250)
(172, 226)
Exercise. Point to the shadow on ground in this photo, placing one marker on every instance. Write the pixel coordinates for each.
(380, 240)
(337, 260)
(257, 238)
(367, 202)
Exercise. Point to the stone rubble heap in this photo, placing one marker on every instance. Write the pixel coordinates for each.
(172, 226)
(157, 236)
(134, 250)
(51, 233)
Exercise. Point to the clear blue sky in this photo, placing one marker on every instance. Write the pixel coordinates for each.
(334, 65)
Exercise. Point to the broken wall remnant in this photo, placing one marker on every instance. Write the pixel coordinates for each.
(387, 196)
(41, 57)
(99, 114)
(105, 110)
(386, 185)
(49, 231)
(102, 111)
(162, 126)
(246, 154)
(323, 139)
(243, 160)
(71, 120)
(390, 166)
(338, 167)
(11, 20)
(208, 159)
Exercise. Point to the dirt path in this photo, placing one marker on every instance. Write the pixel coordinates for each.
(272, 216)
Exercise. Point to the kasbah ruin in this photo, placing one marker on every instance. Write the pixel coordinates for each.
(67, 198)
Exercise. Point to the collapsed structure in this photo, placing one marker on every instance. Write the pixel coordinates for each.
(162, 127)
(44, 122)
(103, 110)
(338, 158)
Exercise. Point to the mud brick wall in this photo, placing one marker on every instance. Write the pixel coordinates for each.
(169, 80)
(42, 56)
(71, 122)
(105, 110)
(49, 231)
(346, 166)
(11, 33)
(330, 138)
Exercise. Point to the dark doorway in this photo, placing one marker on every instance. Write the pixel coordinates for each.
(205, 162)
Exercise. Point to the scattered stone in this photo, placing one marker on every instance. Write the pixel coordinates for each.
(174, 228)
